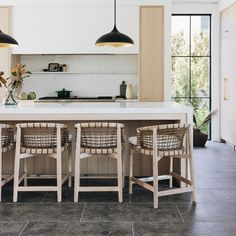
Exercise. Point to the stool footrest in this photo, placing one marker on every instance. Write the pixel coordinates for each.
(37, 188)
(142, 183)
(181, 178)
(174, 191)
(98, 189)
(160, 177)
(6, 179)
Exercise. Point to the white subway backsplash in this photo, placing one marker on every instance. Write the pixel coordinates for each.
(98, 75)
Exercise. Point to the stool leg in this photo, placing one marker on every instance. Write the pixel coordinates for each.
(69, 155)
(191, 165)
(131, 158)
(25, 171)
(119, 173)
(155, 182)
(123, 171)
(17, 165)
(77, 177)
(77, 165)
(171, 170)
(192, 179)
(16, 178)
(186, 169)
(59, 175)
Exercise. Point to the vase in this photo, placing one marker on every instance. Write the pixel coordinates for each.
(9, 98)
(129, 92)
(17, 92)
(199, 138)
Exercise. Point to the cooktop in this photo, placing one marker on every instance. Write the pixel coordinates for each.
(96, 99)
(53, 98)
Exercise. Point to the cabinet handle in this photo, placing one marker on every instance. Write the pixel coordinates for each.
(226, 31)
(226, 89)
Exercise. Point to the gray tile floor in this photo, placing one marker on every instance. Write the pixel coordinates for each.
(100, 214)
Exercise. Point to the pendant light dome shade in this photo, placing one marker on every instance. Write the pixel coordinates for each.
(114, 38)
(7, 41)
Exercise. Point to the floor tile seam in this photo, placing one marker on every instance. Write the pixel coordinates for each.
(82, 212)
(127, 221)
(182, 218)
(44, 203)
(69, 221)
(23, 229)
(132, 222)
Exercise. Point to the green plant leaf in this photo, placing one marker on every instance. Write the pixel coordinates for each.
(208, 118)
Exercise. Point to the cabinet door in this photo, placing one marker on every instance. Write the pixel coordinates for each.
(151, 54)
(71, 29)
(228, 21)
(228, 123)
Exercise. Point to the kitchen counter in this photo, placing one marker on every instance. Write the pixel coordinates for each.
(131, 114)
(95, 111)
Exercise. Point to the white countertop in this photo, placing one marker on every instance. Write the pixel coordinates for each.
(93, 111)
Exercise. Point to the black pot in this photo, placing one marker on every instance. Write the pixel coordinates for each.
(199, 138)
(63, 93)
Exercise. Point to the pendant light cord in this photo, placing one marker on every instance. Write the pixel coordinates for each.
(115, 13)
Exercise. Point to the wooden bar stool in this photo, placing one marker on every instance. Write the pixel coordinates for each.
(6, 144)
(99, 138)
(40, 139)
(163, 141)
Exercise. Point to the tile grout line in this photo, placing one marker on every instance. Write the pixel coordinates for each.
(179, 212)
(82, 212)
(23, 228)
(132, 223)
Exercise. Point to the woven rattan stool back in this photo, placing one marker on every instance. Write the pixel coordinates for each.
(7, 135)
(169, 137)
(97, 138)
(42, 136)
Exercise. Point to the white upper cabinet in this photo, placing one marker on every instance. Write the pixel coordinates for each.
(47, 29)
(228, 21)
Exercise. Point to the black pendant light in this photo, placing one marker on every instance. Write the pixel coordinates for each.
(6, 41)
(114, 38)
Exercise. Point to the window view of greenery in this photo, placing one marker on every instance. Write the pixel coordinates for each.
(191, 60)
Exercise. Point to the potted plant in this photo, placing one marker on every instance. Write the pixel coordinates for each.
(199, 137)
(18, 74)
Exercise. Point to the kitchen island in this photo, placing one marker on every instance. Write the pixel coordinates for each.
(132, 114)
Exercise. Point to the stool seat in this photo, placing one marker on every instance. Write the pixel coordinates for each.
(40, 151)
(173, 152)
(133, 140)
(8, 148)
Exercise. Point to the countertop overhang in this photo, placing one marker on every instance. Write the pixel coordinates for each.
(95, 111)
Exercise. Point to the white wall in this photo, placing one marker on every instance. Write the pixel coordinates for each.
(92, 75)
(225, 3)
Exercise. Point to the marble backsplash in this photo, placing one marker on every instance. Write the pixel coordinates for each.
(91, 75)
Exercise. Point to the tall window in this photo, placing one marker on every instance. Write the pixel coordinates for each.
(191, 62)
